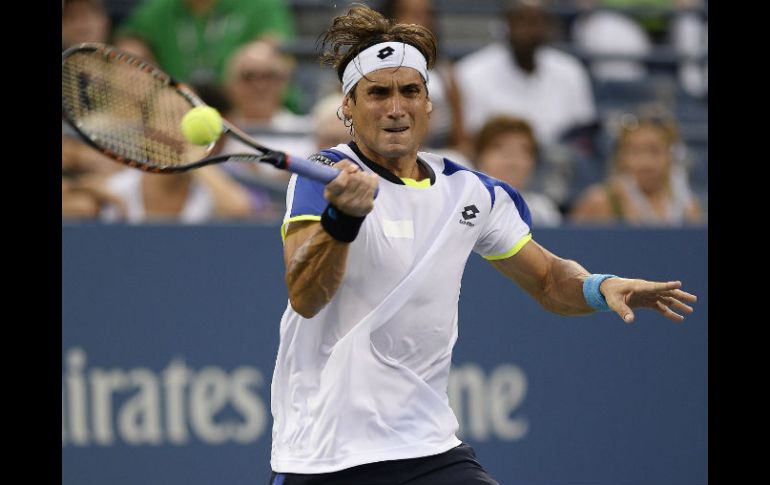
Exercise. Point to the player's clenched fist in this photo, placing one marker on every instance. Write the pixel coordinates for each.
(352, 191)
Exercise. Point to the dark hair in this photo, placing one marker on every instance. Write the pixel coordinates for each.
(503, 124)
(363, 27)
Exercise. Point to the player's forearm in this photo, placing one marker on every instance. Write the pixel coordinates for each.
(563, 292)
(314, 271)
(556, 283)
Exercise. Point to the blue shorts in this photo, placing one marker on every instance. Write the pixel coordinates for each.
(457, 466)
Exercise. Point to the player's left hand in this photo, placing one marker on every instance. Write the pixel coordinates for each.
(623, 294)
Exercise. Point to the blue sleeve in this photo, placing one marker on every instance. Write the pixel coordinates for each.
(307, 197)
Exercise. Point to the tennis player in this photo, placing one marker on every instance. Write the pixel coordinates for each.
(359, 387)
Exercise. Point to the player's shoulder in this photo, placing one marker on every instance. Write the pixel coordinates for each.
(481, 181)
(448, 166)
(330, 156)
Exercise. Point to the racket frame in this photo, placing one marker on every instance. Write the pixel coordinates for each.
(276, 158)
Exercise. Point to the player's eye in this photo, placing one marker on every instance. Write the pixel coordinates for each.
(411, 90)
(378, 91)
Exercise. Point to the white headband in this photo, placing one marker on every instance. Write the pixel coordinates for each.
(382, 56)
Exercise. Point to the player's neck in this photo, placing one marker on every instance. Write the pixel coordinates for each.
(403, 167)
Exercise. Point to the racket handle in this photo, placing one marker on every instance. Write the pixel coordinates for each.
(315, 171)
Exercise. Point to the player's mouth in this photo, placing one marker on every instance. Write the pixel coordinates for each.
(397, 130)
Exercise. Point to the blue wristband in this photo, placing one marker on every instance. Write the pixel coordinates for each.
(592, 294)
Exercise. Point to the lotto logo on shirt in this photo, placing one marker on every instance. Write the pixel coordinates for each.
(468, 213)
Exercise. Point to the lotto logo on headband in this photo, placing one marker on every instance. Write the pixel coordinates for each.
(385, 52)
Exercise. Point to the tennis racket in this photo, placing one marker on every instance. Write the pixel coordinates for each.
(131, 111)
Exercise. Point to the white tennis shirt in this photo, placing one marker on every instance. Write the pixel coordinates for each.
(365, 380)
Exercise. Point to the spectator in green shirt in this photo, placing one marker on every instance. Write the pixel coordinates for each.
(192, 39)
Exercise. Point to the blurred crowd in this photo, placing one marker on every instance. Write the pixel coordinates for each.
(595, 110)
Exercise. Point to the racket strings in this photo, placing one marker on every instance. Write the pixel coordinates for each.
(126, 110)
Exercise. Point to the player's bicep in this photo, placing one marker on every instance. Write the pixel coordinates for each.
(529, 268)
(297, 233)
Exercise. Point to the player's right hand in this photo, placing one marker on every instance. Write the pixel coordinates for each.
(352, 191)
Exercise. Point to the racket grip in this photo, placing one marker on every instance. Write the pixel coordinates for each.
(315, 171)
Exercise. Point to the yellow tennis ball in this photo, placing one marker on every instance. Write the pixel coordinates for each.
(202, 125)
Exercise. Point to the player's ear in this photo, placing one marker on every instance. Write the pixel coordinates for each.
(429, 106)
(346, 107)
